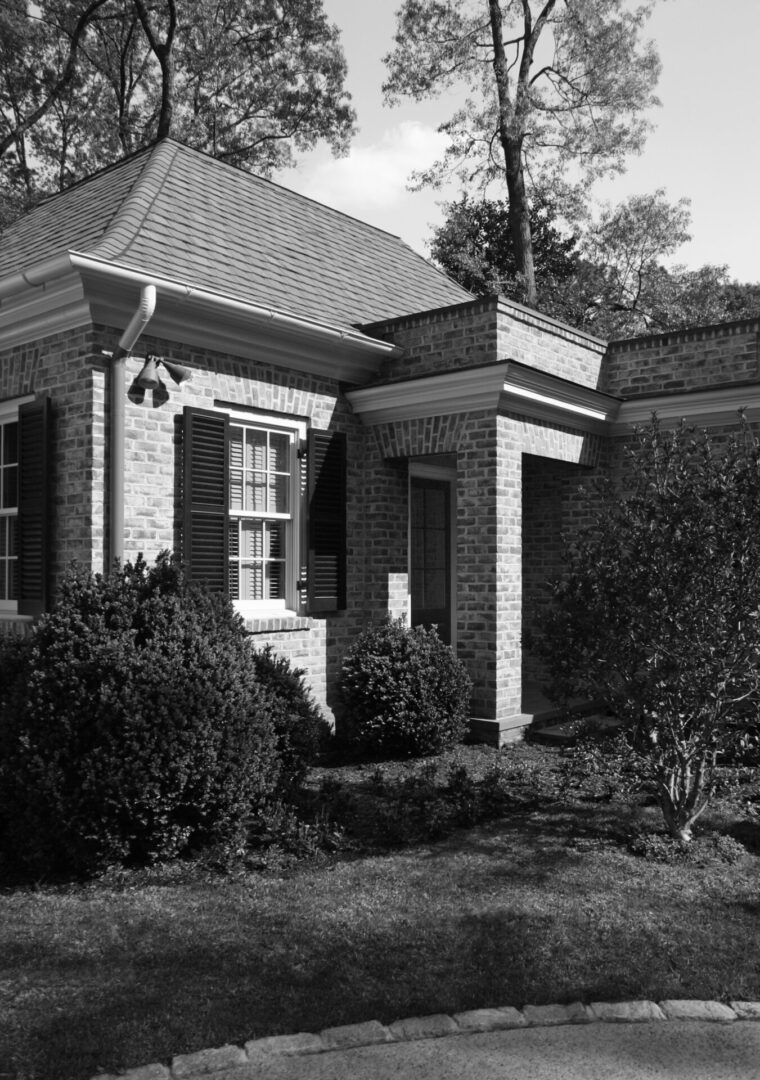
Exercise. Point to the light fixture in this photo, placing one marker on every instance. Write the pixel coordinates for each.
(148, 378)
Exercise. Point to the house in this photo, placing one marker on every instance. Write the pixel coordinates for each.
(322, 423)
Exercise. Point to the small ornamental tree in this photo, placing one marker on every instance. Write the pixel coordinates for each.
(658, 609)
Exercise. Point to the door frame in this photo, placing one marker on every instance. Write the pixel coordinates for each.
(425, 470)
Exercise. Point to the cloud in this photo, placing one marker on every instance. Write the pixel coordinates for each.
(372, 177)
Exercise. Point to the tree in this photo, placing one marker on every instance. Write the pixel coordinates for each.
(606, 276)
(474, 245)
(550, 86)
(657, 611)
(82, 83)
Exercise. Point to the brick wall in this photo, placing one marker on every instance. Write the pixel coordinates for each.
(695, 359)
(484, 331)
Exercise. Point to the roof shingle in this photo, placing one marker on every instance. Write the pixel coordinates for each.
(176, 213)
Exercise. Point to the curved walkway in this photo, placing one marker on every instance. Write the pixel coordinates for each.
(634, 1040)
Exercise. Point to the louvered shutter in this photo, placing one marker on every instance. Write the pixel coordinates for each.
(206, 498)
(326, 565)
(33, 505)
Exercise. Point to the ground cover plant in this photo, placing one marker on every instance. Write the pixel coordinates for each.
(656, 611)
(565, 888)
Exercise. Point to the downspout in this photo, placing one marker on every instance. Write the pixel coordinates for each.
(137, 324)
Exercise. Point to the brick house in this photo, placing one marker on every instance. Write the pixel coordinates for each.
(328, 429)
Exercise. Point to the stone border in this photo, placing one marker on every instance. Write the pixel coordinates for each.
(205, 1063)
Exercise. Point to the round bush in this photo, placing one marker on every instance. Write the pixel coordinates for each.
(300, 729)
(132, 725)
(405, 691)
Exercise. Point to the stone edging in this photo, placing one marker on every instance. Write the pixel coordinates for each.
(205, 1063)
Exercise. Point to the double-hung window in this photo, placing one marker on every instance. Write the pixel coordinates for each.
(264, 503)
(264, 516)
(8, 509)
(24, 498)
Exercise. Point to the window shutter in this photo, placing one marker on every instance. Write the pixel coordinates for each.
(326, 565)
(33, 506)
(206, 498)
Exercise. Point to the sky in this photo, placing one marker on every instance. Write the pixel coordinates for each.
(706, 144)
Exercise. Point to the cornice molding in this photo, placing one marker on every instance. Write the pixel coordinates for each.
(717, 405)
(75, 289)
(505, 386)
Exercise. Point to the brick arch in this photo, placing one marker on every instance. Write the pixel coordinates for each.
(423, 435)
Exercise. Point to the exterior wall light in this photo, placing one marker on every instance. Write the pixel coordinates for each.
(149, 379)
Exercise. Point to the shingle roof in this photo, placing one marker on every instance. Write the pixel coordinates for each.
(175, 213)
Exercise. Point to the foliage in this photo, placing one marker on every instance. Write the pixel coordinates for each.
(132, 724)
(405, 691)
(657, 610)
(82, 84)
(545, 86)
(475, 247)
(301, 730)
(606, 276)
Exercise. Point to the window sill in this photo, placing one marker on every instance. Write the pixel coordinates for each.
(269, 624)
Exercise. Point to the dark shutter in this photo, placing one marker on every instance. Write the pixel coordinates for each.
(33, 505)
(326, 566)
(206, 498)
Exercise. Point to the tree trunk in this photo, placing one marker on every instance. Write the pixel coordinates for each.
(511, 135)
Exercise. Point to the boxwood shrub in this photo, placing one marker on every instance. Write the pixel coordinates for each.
(132, 725)
(405, 691)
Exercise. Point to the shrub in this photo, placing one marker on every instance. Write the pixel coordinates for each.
(132, 725)
(405, 691)
(301, 730)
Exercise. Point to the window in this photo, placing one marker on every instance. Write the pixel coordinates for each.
(24, 480)
(257, 525)
(8, 511)
(264, 497)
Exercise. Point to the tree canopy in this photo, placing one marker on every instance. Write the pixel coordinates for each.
(83, 82)
(551, 89)
(604, 274)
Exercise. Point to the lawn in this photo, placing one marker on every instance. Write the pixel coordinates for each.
(546, 902)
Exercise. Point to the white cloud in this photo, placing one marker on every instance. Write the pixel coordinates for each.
(372, 176)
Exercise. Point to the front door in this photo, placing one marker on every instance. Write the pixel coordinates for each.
(430, 570)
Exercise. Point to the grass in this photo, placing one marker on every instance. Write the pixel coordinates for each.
(546, 903)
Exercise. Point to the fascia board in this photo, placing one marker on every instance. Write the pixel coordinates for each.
(504, 385)
(41, 310)
(465, 390)
(234, 324)
(713, 406)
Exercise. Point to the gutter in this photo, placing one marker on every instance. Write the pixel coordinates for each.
(255, 312)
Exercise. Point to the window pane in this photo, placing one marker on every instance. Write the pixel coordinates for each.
(3, 537)
(10, 444)
(251, 582)
(12, 527)
(276, 540)
(10, 486)
(13, 579)
(278, 453)
(278, 494)
(252, 543)
(256, 457)
(256, 492)
(276, 580)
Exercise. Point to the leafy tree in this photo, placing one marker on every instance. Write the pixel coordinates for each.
(606, 277)
(474, 245)
(657, 611)
(550, 86)
(82, 83)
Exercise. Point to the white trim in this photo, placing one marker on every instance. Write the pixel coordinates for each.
(290, 605)
(504, 385)
(712, 406)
